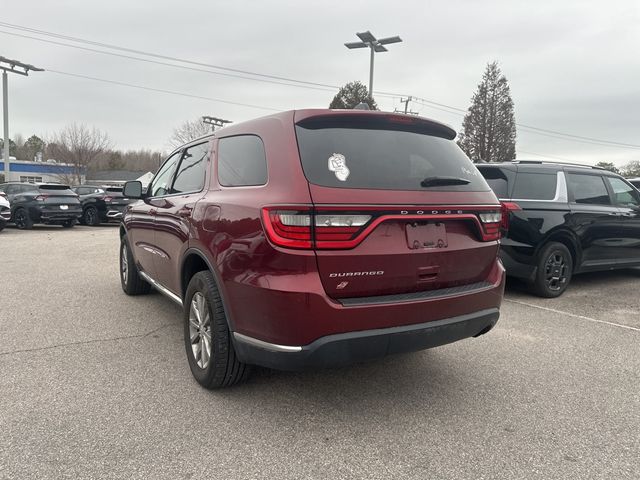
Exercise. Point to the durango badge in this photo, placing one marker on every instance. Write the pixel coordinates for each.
(338, 164)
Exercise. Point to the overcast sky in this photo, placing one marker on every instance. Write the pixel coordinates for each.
(573, 66)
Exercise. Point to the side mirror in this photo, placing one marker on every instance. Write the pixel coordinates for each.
(132, 189)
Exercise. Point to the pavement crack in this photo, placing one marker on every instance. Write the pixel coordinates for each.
(85, 342)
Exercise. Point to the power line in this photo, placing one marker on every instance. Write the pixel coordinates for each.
(294, 82)
(160, 90)
(156, 62)
(158, 55)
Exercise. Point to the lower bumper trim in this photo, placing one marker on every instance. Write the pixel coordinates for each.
(353, 347)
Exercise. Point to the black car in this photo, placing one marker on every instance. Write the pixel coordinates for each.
(101, 204)
(564, 219)
(51, 204)
(635, 182)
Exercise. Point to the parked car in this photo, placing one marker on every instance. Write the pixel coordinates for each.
(100, 204)
(564, 219)
(5, 210)
(51, 204)
(316, 238)
(635, 182)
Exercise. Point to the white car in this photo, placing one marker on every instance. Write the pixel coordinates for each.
(5, 210)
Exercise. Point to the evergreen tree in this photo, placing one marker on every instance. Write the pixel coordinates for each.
(489, 128)
(352, 94)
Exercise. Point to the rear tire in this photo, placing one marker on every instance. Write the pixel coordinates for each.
(90, 216)
(130, 279)
(207, 338)
(555, 268)
(22, 219)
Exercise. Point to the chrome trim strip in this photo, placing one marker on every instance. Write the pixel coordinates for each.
(165, 291)
(266, 345)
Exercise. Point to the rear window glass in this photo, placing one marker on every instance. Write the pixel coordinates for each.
(379, 156)
(54, 187)
(535, 186)
(497, 180)
(588, 189)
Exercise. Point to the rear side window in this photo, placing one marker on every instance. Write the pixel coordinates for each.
(378, 155)
(535, 186)
(191, 174)
(589, 189)
(241, 161)
(497, 180)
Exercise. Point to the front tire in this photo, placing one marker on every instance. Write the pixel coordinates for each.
(22, 219)
(130, 279)
(207, 338)
(555, 268)
(91, 217)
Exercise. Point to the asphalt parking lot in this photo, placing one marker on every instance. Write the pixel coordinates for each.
(95, 384)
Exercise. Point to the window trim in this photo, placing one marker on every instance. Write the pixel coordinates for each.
(217, 161)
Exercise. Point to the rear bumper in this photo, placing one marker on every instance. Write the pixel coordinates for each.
(352, 347)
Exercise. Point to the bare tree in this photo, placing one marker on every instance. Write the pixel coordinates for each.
(189, 130)
(78, 145)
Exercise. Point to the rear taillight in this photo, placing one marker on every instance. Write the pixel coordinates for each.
(491, 221)
(303, 228)
(41, 198)
(3, 195)
(507, 208)
(288, 228)
(339, 228)
(108, 199)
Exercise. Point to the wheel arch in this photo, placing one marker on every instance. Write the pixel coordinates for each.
(195, 261)
(569, 240)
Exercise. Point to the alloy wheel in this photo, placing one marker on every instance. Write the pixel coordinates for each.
(20, 219)
(556, 271)
(124, 264)
(200, 330)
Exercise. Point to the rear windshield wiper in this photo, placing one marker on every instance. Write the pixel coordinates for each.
(442, 181)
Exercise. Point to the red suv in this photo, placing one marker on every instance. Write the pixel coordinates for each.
(317, 238)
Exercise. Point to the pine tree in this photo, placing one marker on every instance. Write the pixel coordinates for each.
(489, 127)
(352, 94)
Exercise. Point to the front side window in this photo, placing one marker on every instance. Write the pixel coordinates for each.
(623, 193)
(241, 161)
(191, 173)
(588, 189)
(161, 183)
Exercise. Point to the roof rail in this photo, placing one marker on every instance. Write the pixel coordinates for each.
(549, 162)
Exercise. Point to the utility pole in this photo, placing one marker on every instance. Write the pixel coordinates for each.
(376, 46)
(214, 122)
(20, 68)
(406, 106)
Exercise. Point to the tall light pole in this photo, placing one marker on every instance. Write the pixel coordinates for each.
(214, 122)
(376, 46)
(20, 68)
